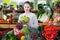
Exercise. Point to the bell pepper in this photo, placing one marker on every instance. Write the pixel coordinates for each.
(23, 38)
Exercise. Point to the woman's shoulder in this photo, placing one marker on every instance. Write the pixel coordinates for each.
(22, 14)
(33, 14)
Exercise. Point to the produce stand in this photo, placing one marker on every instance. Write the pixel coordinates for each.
(45, 31)
(8, 27)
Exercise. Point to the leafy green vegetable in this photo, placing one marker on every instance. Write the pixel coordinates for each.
(10, 36)
(25, 30)
(41, 28)
(41, 10)
(24, 19)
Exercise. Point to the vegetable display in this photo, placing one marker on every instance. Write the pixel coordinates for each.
(24, 19)
(50, 32)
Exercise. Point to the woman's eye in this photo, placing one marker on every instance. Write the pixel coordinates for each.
(26, 7)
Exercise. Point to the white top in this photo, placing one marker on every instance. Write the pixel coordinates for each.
(33, 22)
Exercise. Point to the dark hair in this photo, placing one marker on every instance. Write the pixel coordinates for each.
(28, 3)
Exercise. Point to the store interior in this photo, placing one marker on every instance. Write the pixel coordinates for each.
(46, 11)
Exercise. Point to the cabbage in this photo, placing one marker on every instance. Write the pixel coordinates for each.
(24, 19)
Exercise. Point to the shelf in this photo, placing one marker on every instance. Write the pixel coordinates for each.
(7, 10)
(7, 25)
(34, 11)
(18, 10)
(22, 11)
(57, 9)
(5, 29)
(40, 24)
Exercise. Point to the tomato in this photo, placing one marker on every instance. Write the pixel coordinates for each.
(20, 34)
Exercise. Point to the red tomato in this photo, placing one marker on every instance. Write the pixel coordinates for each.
(50, 32)
(20, 34)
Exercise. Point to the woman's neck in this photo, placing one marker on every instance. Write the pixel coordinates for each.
(27, 12)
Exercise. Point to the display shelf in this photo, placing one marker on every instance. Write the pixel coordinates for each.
(18, 10)
(5, 29)
(7, 10)
(57, 9)
(7, 25)
(40, 24)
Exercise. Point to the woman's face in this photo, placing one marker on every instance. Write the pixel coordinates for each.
(27, 7)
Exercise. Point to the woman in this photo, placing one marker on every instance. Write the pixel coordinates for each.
(33, 22)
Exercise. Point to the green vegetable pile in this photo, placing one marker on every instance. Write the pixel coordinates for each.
(10, 36)
(25, 30)
(24, 19)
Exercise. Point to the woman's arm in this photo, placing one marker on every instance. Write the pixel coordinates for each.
(19, 18)
(35, 21)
